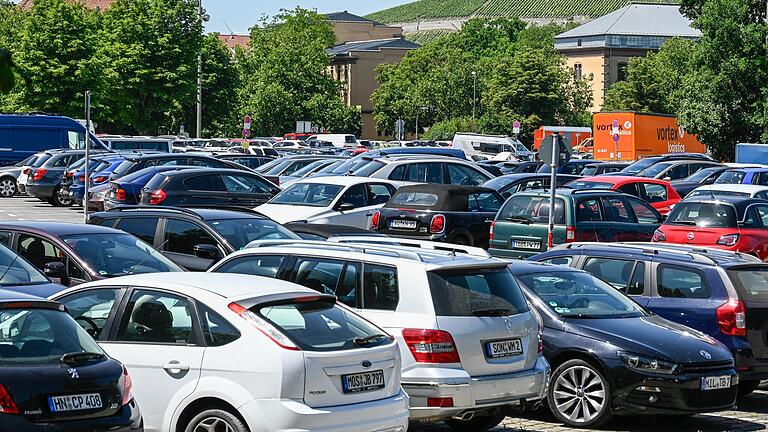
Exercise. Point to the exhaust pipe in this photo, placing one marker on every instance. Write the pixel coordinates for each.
(465, 416)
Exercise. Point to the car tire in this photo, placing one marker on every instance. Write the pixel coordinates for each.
(458, 239)
(477, 423)
(746, 387)
(57, 201)
(215, 420)
(8, 187)
(571, 404)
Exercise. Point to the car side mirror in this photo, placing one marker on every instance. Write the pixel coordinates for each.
(57, 270)
(346, 207)
(206, 251)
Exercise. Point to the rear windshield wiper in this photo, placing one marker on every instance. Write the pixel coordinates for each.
(491, 312)
(521, 219)
(369, 339)
(80, 357)
(683, 222)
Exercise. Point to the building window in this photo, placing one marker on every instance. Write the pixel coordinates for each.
(577, 71)
(621, 71)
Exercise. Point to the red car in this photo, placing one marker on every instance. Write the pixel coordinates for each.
(731, 223)
(658, 193)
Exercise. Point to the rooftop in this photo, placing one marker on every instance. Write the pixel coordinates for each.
(345, 16)
(233, 41)
(638, 19)
(375, 45)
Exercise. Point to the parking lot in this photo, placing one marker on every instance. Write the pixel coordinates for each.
(26, 208)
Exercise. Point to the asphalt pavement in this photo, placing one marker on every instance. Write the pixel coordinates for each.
(32, 209)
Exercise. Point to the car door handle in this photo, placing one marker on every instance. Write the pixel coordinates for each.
(175, 367)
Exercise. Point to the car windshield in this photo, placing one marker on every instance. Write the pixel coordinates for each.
(41, 160)
(655, 170)
(15, 271)
(589, 185)
(701, 175)
(714, 193)
(123, 168)
(639, 165)
(728, 177)
(589, 170)
(575, 294)
(703, 215)
(330, 167)
(751, 282)
(369, 168)
(499, 183)
(351, 165)
(269, 165)
(111, 255)
(413, 199)
(299, 173)
(531, 209)
(308, 194)
(488, 291)
(240, 232)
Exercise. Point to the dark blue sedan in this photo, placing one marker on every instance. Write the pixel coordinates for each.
(127, 190)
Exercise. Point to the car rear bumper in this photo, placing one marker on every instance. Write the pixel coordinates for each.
(128, 419)
(748, 367)
(472, 393)
(384, 415)
(40, 191)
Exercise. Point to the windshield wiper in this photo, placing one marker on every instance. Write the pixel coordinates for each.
(80, 357)
(521, 219)
(369, 339)
(683, 222)
(498, 312)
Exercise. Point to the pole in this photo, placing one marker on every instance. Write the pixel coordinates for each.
(552, 187)
(417, 123)
(474, 92)
(87, 152)
(199, 129)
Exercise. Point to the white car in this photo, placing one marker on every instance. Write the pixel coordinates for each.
(290, 144)
(728, 189)
(345, 200)
(410, 169)
(216, 352)
(469, 341)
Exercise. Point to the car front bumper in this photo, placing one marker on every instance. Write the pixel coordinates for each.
(471, 394)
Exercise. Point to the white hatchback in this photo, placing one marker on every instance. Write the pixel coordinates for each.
(243, 353)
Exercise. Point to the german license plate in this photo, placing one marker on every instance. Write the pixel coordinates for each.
(75, 402)
(526, 244)
(503, 348)
(402, 224)
(716, 383)
(362, 382)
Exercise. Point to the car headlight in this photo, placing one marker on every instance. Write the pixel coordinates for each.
(648, 364)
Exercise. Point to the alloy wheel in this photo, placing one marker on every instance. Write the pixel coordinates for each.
(7, 188)
(213, 424)
(579, 394)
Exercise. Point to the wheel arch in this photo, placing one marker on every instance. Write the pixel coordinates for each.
(204, 403)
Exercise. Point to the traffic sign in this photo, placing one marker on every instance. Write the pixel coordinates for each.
(615, 127)
(616, 137)
(246, 133)
(551, 144)
(516, 127)
(247, 122)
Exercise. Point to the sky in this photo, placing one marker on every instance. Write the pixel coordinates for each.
(237, 16)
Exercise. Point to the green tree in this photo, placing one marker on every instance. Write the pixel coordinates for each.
(446, 129)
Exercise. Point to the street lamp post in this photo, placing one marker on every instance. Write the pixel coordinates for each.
(474, 92)
(204, 17)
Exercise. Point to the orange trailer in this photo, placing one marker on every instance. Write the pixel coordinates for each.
(640, 135)
(572, 135)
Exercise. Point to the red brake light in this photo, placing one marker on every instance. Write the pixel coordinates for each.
(728, 240)
(659, 236)
(156, 197)
(491, 232)
(440, 402)
(570, 234)
(375, 220)
(82, 178)
(263, 326)
(127, 387)
(99, 179)
(39, 173)
(438, 224)
(69, 174)
(120, 195)
(732, 319)
(7, 406)
(431, 346)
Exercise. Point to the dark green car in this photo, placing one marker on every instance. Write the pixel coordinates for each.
(520, 227)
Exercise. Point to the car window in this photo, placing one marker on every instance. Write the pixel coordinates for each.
(616, 210)
(473, 292)
(705, 215)
(143, 228)
(681, 282)
(654, 193)
(40, 252)
(630, 188)
(644, 213)
(615, 272)
(182, 236)
(751, 219)
(677, 172)
(163, 162)
(380, 288)
(318, 274)
(398, 173)
(261, 265)
(484, 202)
(5, 238)
(379, 194)
(588, 210)
(760, 179)
(464, 175)
(307, 194)
(572, 168)
(242, 183)
(762, 195)
(532, 208)
(637, 284)
(429, 172)
(731, 177)
(206, 183)
(357, 195)
(762, 212)
(530, 184)
(91, 308)
(564, 261)
(216, 330)
(156, 317)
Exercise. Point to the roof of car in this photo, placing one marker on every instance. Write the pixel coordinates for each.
(571, 192)
(734, 200)
(522, 267)
(167, 156)
(449, 197)
(204, 170)
(327, 230)
(340, 180)
(609, 164)
(58, 228)
(616, 179)
(12, 296)
(733, 187)
(749, 170)
(201, 213)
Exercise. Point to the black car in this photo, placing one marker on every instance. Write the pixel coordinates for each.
(510, 184)
(706, 176)
(610, 356)
(208, 187)
(603, 168)
(448, 213)
(135, 163)
(54, 377)
(645, 163)
(321, 232)
(251, 161)
(193, 238)
(520, 167)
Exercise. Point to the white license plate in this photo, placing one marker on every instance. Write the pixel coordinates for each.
(361, 382)
(716, 383)
(75, 402)
(402, 224)
(525, 244)
(503, 348)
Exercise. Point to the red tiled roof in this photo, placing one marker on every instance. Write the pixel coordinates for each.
(235, 40)
(91, 4)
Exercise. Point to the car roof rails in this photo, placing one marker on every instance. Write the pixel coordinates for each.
(128, 208)
(696, 254)
(381, 250)
(419, 244)
(247, 210)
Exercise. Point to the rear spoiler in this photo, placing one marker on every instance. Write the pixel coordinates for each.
(420, 244)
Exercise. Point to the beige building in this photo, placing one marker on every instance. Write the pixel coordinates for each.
(603, 47)
(362, 45)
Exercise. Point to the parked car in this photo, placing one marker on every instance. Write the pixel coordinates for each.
(193, 238)
(98, 176)
(18, 274)
(603, 168)
(334, 200)
(54, 376)
(190, 340)
(510, 167)
(705, 176)
(730, 223)
(720, 293)
(26, 168)
(572, 167)
(445, 213)
(207, 187)
(637, 167)
(162, 145)
(676, 170)
(520, 227)
(127, 189)
(44, 181)
(9, 177)
(247, 160)
(321, 232)
(135, 163)
(406, 169)
(310, 169)
(658, 193)
(510, 184)
(756, 176)
(468, 352)
(610, 355)
(287, 165)
(727, 189)
(75, 253)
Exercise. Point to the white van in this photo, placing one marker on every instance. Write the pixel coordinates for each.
(140, 143)
(491, 145)
(338, 140)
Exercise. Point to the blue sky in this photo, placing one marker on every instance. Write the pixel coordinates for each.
(239, 15)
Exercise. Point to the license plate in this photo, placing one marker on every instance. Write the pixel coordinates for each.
(402, 224)
(503, 348)
(362, 382)
(525, 244)
(716, 383)
(75, 402)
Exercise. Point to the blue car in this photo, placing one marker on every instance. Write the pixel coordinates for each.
(756, 176)
(127, 190)
(720, 293)
(17, 274)
(99, 175)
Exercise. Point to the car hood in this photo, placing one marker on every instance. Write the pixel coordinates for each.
(652, 336)
(284, 213)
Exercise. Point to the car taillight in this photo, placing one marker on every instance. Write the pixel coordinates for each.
(69, 174)
(431, 346)
(659, 236)
(732, 318)
(263, 326)
(491, 230)
(120, 195)
(127, 387)
(375, 220)
(82, 178)
(570, 233)
(7, 406)
(438, 224)
(728, 240)
(99, 179)
(156, 197)
(39, 173)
